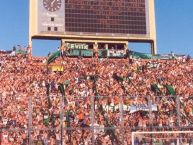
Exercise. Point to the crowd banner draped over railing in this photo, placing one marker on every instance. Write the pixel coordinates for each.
(140, 55)
(130, 108)
(81, 50)
(57, 68)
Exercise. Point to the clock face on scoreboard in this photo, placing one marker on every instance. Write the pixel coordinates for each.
(52, 5)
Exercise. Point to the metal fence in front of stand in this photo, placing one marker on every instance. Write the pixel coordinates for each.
(108, 120)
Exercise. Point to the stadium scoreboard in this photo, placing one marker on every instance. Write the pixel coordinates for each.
(106, 16)
(93, 19)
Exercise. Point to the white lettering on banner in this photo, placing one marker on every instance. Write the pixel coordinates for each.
(77, 46)
(113, 52)
(130, 109)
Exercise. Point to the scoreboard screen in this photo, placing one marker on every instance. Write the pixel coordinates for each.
(106, 16)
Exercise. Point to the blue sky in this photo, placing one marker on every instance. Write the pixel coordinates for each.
(174, 25)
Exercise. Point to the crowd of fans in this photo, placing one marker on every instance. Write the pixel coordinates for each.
(36, 102)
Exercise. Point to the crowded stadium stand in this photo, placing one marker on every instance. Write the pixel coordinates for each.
(94, 90)
(75, 100)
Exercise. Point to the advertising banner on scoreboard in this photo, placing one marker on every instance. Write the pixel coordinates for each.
(77, 45)
(116, 53)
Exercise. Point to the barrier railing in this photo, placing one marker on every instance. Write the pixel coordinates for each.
(105, 119)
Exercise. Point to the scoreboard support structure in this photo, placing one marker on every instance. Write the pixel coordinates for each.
(153, 48)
